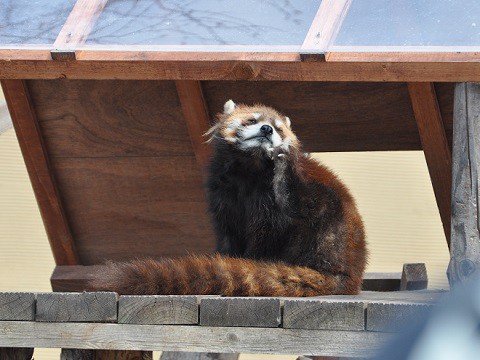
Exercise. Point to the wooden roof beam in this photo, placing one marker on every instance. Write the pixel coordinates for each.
(324, 29)
(76, 29)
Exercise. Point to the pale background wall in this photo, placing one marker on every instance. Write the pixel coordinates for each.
(392, 189)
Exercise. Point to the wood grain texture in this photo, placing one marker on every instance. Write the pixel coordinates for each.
(435, 146)
(248, 312)
(17, 306)
(324, 29)
(153, 310)
(393, 317)
(465, 243)
(39, 169)
(187, 66)
(110, 118)
(180, 355)
(123, 208)
(192, 338)
(323, 315)
(79, 23)
(414, 277)
(196, 116)
(84, 354)
(16, 353)
(77, 307)
(331, 116)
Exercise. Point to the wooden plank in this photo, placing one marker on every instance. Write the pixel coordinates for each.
(334, 116)
(248, 312)
(393, 317)
(402, 54)
(414, 277)
(153, 310)
(83, 354)
(17, 306)
(138, 118)
(465, 243)
(75, 278)
(188, 66)
(196, 116)
(79, 23)
(16, 353)
(324, 29)
(381, 281)
(159, 201)
(77, 354)
(435, 146)
(181, 355)
(77, 307)
(191, 338)
(417, 297)
(38, 167)
(323, 315)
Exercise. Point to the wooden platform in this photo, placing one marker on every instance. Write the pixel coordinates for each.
(351, 326)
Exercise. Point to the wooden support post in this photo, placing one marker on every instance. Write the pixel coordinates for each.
(16, 353)
(465, 243)
(180, 355)
(84, 354)
(196, 116)
(435, 146)
(43, 183)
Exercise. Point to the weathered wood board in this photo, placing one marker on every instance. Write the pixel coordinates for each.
(465, 239)
(73, 307)
(151, 310)
(17, 306)
(258, 312)
(194, 338)
(323, 315)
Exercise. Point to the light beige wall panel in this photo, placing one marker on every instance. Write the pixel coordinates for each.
(396, 199)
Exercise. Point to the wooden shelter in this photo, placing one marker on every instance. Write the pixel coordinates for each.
(110, 99)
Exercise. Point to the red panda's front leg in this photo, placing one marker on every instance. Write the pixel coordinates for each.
(286, 183)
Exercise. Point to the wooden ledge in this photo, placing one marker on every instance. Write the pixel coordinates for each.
(350, 326)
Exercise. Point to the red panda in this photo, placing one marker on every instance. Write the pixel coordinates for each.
(285, 224)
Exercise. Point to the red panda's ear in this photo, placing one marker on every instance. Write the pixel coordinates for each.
(288, 122)
(229, 107)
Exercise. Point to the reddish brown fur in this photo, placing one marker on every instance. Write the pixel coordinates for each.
(214, 275)
(325, 252)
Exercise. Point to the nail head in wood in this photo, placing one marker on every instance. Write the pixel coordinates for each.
(253, 312)
(323, 315)
(17, 306)
(414, 277)
(157, 309)
(77, 307)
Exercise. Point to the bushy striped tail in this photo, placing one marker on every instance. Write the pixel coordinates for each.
(216, 275)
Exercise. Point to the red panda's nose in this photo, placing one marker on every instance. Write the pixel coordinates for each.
(266, 130)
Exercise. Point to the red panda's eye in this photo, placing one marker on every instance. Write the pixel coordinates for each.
(279, 130)
(252, 121)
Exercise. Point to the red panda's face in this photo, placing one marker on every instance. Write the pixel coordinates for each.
(254, 127)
